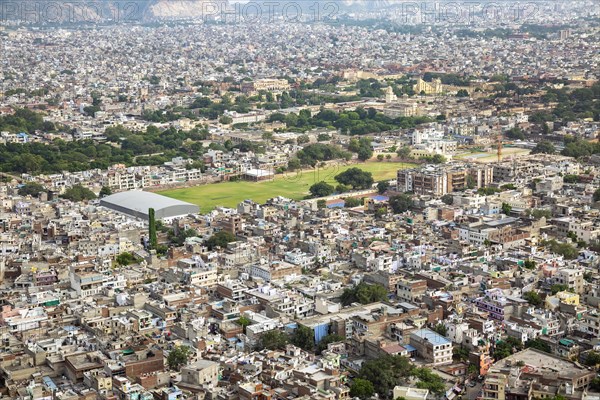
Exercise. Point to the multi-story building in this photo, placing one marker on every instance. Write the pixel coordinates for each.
(508, 171)
(274, 270)
(202, 373)
(87, 283)
(232, 289)
(495, 231)
(193, 271)
(442, 179)
(571, 277)
(411, 289)
(531, 374)
(495, 303)
(300, 258)
(433, 347)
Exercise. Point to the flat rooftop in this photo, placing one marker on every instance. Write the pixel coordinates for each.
(539, 362)
(433, 337)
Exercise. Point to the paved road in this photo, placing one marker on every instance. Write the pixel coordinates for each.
(473, 392)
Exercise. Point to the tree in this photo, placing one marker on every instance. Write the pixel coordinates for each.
(388, 157)
(539, 213)
(31, 189)
(125, 259)
(380, 157)
(178, 357)
(272, 340)
(565, 249)
(323, 137)
(304, 338)
(538, 344)
(355, 177)
(596, 196)
(440, 329)
(382, 187)
(362, 147)
(91, 110)
(515, 133)
(361, 388)
(152, 228)
(293, 164)
(434, 159)
(460, 353)
(244, 321)
(429, 380)
(544, 147)
(225, 120)
(448, 199)
(533, 298)
(340, 188)
(404, 152)
(364, 153)
(321, 204)
(558, 287)
(380, 212)
(220, 239)
(181, 236)
(313, 153)
(506, 208)
(385, 373)
(570, 178)
(592, 358)
(331, 338)
(302, 139)
(471, 182)
(321, 189)
(462, 93)
(352, 202)
(529, 264)
(401, 203)
(502, 350)
(364, 293)
(78, 193)
(105, 191)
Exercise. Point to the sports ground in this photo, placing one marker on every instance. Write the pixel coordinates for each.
(293, 185)
(491, 156)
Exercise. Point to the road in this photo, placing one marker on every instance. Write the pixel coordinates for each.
(473, 392)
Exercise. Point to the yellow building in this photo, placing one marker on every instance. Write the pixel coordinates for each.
(434, 87)
(566, 297)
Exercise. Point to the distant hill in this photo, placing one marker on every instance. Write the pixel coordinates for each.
(64, 11)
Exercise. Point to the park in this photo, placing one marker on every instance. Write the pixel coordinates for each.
(293, 185)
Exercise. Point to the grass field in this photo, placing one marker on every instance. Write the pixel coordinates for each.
(292, 185)
(492, 156)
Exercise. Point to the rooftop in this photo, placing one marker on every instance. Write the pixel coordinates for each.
(431, 336)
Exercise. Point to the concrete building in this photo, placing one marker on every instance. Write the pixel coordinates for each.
(433, 347)
(202, 373)
(410, 393)
(438, 180)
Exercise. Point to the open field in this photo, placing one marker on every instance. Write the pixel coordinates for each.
(293, 185)
(492, 156)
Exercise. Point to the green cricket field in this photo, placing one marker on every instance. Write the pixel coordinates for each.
(292, 185)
